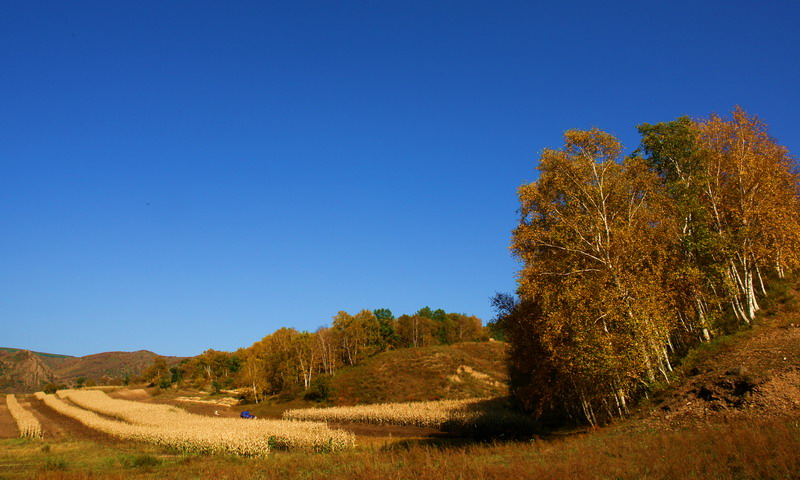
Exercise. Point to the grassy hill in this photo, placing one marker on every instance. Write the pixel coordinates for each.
(463, 370)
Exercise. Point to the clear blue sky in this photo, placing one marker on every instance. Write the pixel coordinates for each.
(178, 176)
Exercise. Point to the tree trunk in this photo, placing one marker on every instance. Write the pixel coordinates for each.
(761, 281)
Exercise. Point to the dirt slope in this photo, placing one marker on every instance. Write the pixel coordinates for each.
(8, 427)
(754, 373)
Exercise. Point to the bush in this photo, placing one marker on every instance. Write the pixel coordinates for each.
(51, 388)
(320, 389)
(137, 461)
(55, 464)
(216, 386)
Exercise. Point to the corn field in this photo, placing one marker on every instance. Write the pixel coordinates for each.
(481, 415)
(175, 428)
(28, 425)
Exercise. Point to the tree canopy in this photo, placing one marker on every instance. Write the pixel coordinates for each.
(628, 260)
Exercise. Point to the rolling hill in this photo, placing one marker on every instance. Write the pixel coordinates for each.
(463, 370)
(25, 371)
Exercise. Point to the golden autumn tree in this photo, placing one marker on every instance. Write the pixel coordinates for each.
(254, 365)
(328, 342)
(621, 258)
(359, 335)
(415, 330)
(696, 272)
(590, 240)
(306, 356)
(750, 190)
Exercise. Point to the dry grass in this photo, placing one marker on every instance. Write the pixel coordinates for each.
(425, 374)
(28, 425)
(741, 450)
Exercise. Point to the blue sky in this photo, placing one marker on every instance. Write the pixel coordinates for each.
(178, 176)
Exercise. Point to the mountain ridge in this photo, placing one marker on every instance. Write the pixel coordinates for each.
(25, 371)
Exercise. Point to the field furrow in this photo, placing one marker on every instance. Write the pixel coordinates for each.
(27, 424)
(8, 427)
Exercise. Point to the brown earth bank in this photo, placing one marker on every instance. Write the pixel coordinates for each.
(755, 373)
(461, 370)
(8, 427)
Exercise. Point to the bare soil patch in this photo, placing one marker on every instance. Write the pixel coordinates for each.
(758, 377)
(200, 408)
(138, 394)
(8, 427)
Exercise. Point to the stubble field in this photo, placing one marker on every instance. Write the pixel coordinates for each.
(737, 448)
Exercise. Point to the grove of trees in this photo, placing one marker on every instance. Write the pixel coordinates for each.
(291, 361)
(627, 261)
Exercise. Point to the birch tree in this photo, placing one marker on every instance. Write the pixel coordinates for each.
(306, 355)
(252, 374)
(359, 335)
(750, 189)
(590, 242)
(696, 273)
(327, 340)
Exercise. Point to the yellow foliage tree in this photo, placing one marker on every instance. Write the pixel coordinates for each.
(591, 242)
(750, 189)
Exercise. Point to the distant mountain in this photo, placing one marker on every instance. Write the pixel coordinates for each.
(23, 371)
(26, 371)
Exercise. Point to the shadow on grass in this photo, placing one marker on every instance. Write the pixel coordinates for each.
(488, 422)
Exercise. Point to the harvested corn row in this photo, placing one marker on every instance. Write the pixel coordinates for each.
(173, 427)
(28, 425)
(477, 414)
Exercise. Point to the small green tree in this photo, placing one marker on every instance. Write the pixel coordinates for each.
(388, 333)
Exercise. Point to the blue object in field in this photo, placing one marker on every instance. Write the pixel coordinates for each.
(246, 414)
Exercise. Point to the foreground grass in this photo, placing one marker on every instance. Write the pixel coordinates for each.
(734, 450)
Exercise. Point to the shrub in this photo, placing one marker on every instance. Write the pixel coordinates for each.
(320, 389)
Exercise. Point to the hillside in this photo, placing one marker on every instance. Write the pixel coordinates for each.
(462, 370)
(23, 371)
(754, 373)
(40, 354)
(107, 366)
(26, 371)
